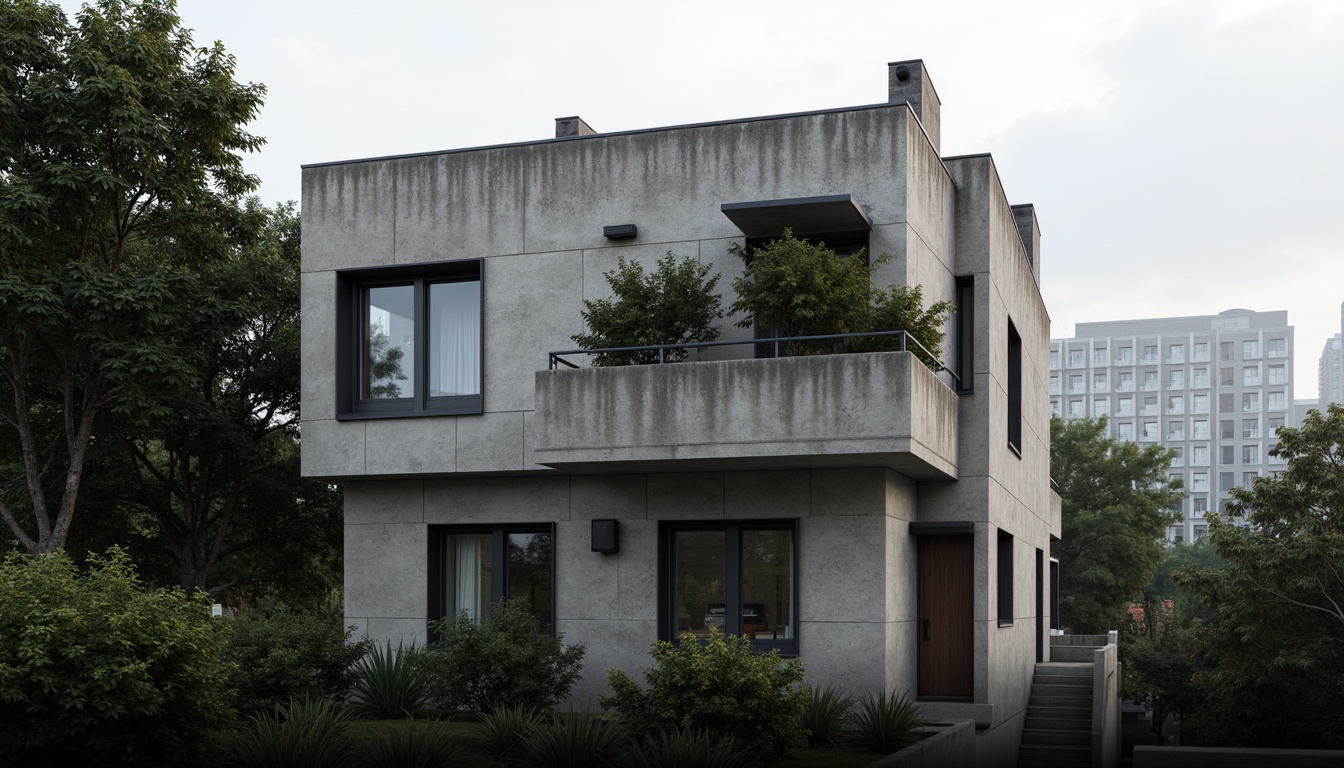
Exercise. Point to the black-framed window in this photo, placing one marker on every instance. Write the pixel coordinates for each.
(738, 577)
(474, 567)
(1014, 390)
(409, 340)
(1005, 578)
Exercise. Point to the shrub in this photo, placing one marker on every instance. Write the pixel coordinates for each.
(95, 668)
(680, 748)
(826, 714)
(305, 734)
(504, 661)
(793, 287)
(797, 288)
(390, 684)
(901, 308)
(576, 740)
(279, 653)
(722, 688)
(503, 731)
(887, 722)
(674, 304)
(418, 746)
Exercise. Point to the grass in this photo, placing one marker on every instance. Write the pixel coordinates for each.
(857, 756)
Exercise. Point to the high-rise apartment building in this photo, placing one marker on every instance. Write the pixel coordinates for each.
(1331, 368)
(1215, 389)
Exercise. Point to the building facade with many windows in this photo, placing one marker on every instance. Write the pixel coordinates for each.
(1214, 389)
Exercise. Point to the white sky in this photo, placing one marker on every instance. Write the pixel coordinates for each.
(1184, 156)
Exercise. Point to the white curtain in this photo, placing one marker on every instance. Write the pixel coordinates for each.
(455, 338)
(467, 570)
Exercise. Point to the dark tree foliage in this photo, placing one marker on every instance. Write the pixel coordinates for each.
(794, 287)
(208, 487)
(1159, 649)
(1277, 637)
(674, 304)
(118, 138)
(1117, 503)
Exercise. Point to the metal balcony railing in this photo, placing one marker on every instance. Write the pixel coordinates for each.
(557, 358)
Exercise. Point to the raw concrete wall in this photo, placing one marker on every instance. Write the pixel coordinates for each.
(884, 409)
(856, 601)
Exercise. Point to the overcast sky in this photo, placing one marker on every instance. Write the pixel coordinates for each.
(1184, 156)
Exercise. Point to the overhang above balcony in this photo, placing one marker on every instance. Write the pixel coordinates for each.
(804, 215)
(860, 410)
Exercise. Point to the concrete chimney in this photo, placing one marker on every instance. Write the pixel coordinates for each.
(1029, 229)
(908, 82)
(572, 126)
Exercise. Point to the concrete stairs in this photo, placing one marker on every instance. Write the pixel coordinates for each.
(1058, 729)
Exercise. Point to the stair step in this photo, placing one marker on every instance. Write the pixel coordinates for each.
(1062, 701)
(1064, 669)
(1061, 681)
(1047, 763)
(1057, 738)
(1060, 723)
(1075, 653)
(1059, 756)
(1066, 713)
(1057, 641)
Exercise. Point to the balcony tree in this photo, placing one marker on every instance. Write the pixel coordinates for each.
(673, 304)
(116, 134)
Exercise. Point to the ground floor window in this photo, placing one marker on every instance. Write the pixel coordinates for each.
(475, 567)
(740, 578)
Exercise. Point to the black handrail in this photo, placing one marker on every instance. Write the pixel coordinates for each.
(554, 358)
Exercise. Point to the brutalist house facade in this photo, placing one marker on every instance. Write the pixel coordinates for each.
(888, 524)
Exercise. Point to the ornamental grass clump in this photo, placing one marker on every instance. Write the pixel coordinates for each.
(390, 684)
(718, 685)
(887, 722)
(308, 733)
(418, 746)
(576, 740)
(503, 731)
(826, 714)
(683, 747)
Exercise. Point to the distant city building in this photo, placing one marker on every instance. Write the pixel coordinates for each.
(1215, 389)
(1331, 388)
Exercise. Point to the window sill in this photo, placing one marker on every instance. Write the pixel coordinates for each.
(1018, 451)
(1003, 624)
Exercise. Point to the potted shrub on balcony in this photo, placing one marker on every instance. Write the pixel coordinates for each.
(673, 304)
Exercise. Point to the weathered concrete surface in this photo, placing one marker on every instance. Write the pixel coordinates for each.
(884, 409)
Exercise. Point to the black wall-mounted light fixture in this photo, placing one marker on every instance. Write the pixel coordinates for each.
(605, 536)
(619, 231)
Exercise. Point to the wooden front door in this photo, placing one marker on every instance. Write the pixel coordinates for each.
(946, 600)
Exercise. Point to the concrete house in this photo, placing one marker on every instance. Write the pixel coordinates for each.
(888, 524)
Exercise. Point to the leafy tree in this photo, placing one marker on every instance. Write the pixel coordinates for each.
(115, 132)
(97, 670)
(794, 287)
(1160, 649)
(1117, 503)
(1277, 639)
(209, 484)
(674, 304)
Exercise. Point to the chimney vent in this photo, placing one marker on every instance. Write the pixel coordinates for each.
(908, 82)
(572, 126)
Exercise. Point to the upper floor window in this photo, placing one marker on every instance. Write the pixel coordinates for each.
(1124, 355)
(1250, 349)
(1200, 353)
(1277, 374)
(409, 340)
(1099, 356)
(1150, 353)
(1276, 347)
(1176, 353)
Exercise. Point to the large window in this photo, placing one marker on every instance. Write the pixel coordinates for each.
(479, 566)
(740, 578)
(409, 340)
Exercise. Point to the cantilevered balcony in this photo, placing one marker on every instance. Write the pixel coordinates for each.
(845, 410)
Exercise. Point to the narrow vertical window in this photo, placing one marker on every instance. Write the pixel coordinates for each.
(1005, 557)
(966, 335)
(1014, 389)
